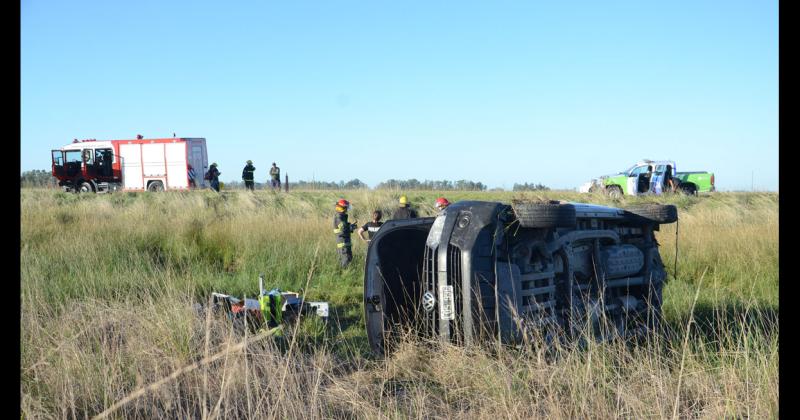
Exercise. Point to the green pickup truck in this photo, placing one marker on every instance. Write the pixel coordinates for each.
(651, 177)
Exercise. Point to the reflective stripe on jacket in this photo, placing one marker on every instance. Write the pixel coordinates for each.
(342, 229)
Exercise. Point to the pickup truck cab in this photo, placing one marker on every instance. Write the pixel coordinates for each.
(651, 177)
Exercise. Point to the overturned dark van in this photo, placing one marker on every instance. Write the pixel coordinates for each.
(488, 270)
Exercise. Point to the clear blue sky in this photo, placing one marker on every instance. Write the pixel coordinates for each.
(498, 92)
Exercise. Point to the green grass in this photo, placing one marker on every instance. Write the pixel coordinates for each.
(108, 282)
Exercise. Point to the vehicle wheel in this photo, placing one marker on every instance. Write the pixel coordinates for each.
(688, 189)
(659, 213)
(155, 186)
(545, 214)
(614, 192)
(85, 188)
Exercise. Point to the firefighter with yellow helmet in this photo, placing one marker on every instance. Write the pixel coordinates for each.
(404, 211)
(343, 228)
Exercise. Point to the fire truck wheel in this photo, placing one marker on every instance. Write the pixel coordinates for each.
(86, 188)
(155, 186)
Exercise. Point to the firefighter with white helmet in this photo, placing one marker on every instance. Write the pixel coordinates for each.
(342, 228)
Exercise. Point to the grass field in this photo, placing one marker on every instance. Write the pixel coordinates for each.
(108, 283)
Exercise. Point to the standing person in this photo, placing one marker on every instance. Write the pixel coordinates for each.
(192, 176)
(275, 175)
(371, 227)
(405, 211)
(247, 175)
(342, 228)
(441, 204)
(669, 180)
(213, 176)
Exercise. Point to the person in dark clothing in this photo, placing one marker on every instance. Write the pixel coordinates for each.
(213, 176)
(343, 228)
(405, 211)
(248, 176)
(669, 180)
(371, 227)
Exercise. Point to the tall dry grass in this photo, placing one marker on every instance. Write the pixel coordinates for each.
(108, 283)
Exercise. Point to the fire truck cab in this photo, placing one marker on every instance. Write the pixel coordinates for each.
(131, 165)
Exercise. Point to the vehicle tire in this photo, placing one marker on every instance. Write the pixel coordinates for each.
(85, 187)
(659, 213)
(155, 186)
(545, 214)
(614, 191)
(688, 189)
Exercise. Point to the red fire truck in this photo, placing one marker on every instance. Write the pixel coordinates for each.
(130, 165)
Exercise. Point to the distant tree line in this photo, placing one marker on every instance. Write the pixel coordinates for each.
(530, 187)
(413, 184)
(357, 184)
(37, 178)
(43, 178)
(353, 184)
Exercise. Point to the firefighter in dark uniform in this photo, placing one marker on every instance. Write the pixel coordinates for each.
(405, 211)
(247, 175)
(213, 176)
(441, 204)
(343, 228)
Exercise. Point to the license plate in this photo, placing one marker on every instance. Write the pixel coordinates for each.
(446, 306)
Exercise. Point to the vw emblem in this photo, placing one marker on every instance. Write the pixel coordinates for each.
(428, 301)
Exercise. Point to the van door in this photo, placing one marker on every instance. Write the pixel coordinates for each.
(197, 157)
(656, 183)
(103, 161)
(633, 179)
(58, 164)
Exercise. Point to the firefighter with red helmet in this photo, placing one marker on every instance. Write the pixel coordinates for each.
(441, 204)
(343, 228)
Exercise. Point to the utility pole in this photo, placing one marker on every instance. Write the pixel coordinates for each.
(752, 185)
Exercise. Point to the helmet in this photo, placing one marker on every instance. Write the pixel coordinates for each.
(441, 203)
(342, 206)
(403, 200)
(214, 164)
(249, 162)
